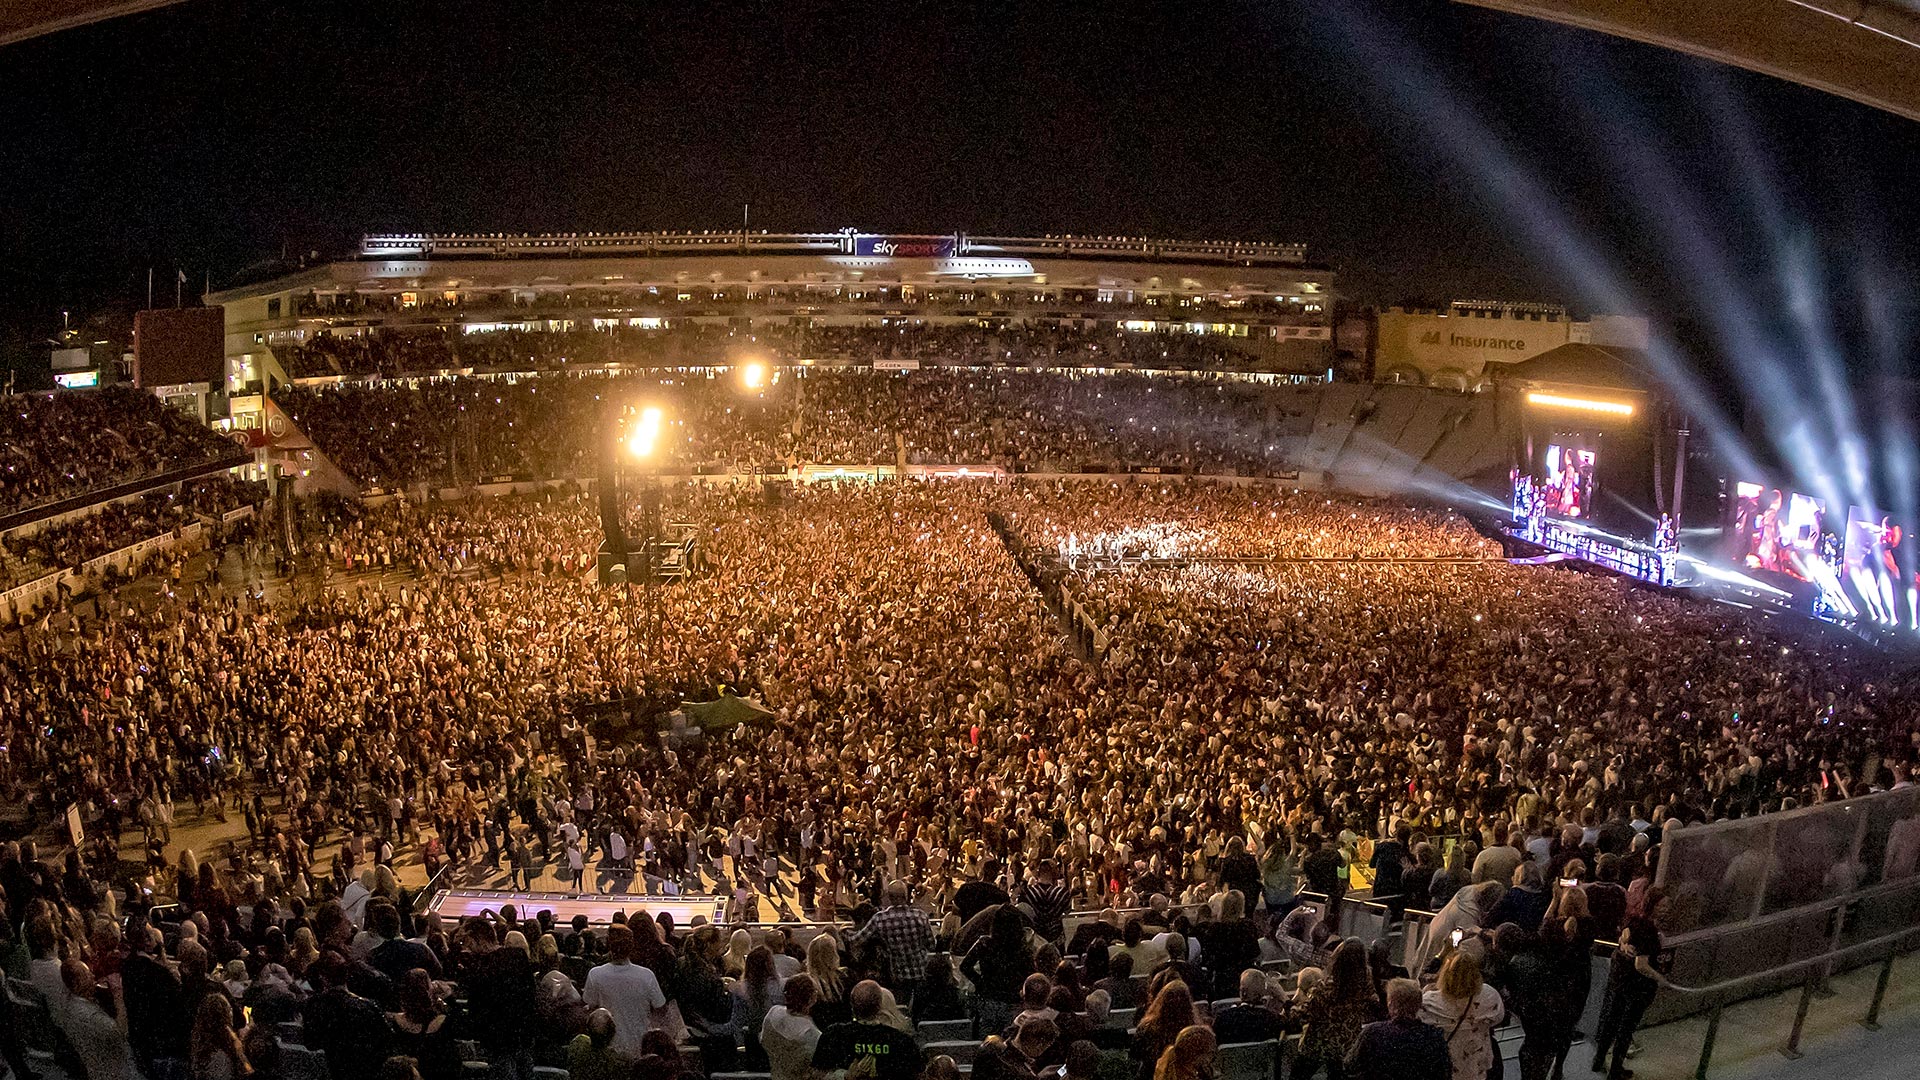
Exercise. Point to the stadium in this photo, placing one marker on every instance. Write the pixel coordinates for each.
(1078, 586)
(790, 656)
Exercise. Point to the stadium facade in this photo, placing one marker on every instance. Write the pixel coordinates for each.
(1273, 303)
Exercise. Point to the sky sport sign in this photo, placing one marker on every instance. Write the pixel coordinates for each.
(895, 247)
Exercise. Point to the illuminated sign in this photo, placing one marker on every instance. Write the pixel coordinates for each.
(1558, 401)
(890, 247)
(77, 380)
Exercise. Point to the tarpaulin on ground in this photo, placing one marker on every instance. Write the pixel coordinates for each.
(725, 712)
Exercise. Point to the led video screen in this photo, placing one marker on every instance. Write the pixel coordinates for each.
(1569, 482)
(1880, 567)
(1778, 530)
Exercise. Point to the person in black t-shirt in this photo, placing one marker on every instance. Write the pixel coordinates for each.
(1323, 870)
(1238, 870)
(349, 1029)
(1633, 978)
(895, 1054)
(976, 896)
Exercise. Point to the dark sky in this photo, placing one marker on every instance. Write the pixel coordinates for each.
(1425, 149)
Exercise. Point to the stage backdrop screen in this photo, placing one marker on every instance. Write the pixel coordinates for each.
(172, 346)
(1569, 487)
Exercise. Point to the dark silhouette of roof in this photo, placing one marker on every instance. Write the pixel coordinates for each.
(1605, 366)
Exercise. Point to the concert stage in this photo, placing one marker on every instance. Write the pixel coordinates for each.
(599, 908)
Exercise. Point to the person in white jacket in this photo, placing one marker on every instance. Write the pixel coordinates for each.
(1465, 1009)
(789, 1034)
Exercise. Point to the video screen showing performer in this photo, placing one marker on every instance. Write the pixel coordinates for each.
(1778, 531)
(1569, 482)
(1880, 568)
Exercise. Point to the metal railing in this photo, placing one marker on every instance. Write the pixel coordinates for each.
(1815, 969)
(1716, 997)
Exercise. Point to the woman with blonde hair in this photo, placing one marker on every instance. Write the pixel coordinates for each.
(305, 950)
(1170, 1013)
(1465, 1009)
(1189, 1058)
(186, 874)
(739, 944)
(830, 979)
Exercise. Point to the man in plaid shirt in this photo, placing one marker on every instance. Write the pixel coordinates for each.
(904, 937)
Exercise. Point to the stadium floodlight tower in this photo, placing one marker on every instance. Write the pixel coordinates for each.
(636, 435)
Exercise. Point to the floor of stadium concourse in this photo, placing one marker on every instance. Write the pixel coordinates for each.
(1753, 1032)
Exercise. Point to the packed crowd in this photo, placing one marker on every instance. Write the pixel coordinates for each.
(1187, 519)
(394, 353)
(1459, 735)
(56, 445)
(231, 984)
(450, 431)
(34, 552)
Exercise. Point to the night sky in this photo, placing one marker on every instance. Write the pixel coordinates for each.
(1426, 150)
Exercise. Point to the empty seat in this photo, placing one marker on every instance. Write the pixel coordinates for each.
(1246, 1061)
(962, 1051)
(300, 1063)
(937, 1030)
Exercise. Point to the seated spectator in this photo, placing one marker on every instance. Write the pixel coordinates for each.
(1037, 1045)
(893, 1054)
(938, 996)
(1401, 1047)
(1171, 1013)
(591, 1056)
(1250, 1019)
(1190, 1057)
(1070, 1023)
(1121, 988)
(1033, 1003)
(996, 1059)
(788, 1035)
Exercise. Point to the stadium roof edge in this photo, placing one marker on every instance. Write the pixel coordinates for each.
(1865, 50)
(843, 242)
(24, 19)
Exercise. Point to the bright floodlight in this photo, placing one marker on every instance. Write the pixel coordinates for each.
(645, 433)
(1616, 408)
(753, 375)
